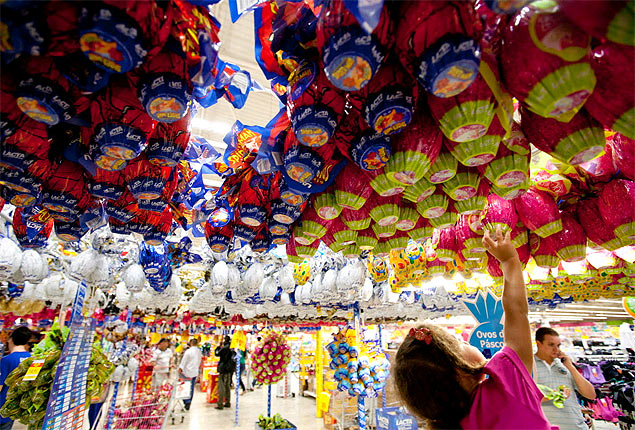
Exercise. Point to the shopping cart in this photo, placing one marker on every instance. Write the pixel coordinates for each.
(149, 409)
(181, 392)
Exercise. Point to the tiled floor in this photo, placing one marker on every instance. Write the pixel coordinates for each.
(202, 416)
(299, 410)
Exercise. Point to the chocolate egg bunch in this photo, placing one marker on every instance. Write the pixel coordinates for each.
(359, 369)
(418, 120)
(271, 358)
(96, 101)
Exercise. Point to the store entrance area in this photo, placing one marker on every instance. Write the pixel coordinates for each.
(298, 410)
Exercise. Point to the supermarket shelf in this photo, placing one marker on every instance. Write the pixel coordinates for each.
(310, 394)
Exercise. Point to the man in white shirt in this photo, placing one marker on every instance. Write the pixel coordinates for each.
(189, 367)
(162, 359)
(554, 369)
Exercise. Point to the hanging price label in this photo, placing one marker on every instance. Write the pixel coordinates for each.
(33, 370)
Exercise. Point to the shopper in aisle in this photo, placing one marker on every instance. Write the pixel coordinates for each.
(555, 369)
(17, 353)
(449, 383)
(243, 355)
(226, 368)
(163, 360)
(189, 367)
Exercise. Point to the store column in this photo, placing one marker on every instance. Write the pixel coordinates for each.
(319, 372)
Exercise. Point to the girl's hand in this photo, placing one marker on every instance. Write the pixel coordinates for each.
(499, 246)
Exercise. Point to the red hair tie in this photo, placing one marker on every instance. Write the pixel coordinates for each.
(421, 334)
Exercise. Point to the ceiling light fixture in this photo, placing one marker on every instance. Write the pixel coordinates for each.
(213, 126)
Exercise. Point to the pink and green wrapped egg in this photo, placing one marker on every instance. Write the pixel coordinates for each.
(414, 151)
(326, 205)
(448, 219)
(443, 169)
(299, 236)
(538, 212)
(356, 220)
(623, 153)
(434, 206)
(408, 217)
(597, 230)
(463, 185)
(384, 210)
(613, 65)
(436, 267)
(519, 236)
(341, 233)
(351, 187)
(517, 141)
(467, 116)
(603, 19)
(384, 231)
(422, 230)
(312, 224)
(307, 251)
(385, 187)
(481, 150)
(513, 192)
(575, 142)
(570, 242)
(446, 245)
(382, 249)
(545, 62)
(366, 239)
(508, 170)
(543, 249)
(498, 212)
(599, 170)
(399, 241)
(617, 207)
(472, 241)
(419, 191)
(475, 204)
(351, 251)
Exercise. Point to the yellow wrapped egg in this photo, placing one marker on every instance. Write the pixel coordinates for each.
(377, 268)
(301, 272)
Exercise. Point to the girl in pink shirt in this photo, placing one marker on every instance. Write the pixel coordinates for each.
(450, 384)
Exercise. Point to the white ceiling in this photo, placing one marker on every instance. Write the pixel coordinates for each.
(238, 48)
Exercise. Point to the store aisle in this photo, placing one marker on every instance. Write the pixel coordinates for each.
(299, 410)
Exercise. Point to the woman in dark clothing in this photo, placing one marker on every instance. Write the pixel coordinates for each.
(226, 367)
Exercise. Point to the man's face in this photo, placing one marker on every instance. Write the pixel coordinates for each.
(163, 346)
(550, 346)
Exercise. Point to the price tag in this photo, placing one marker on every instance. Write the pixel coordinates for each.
(33, 370)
